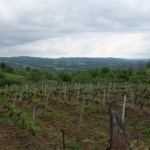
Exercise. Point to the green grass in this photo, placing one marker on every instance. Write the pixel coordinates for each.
(4, 101)
(72, 145)
(66, 116)
(102, 135)
(15, 77)
(4, 119)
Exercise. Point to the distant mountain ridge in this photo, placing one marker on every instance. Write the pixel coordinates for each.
(71, 63)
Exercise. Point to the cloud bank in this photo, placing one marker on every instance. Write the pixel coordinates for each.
(69, 28)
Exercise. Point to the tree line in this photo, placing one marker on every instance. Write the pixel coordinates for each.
(10, 75)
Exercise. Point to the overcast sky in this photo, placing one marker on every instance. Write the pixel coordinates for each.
(75, 28)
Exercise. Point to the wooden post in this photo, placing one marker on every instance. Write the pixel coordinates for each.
(112, 130)
(124, 108)
(77, 88)
(131, 94)
(80, 118)
(46, 102)
(104, 97)
(33, 114)
(115, 118)
(108, 91)
(63, 136)
(123, 128)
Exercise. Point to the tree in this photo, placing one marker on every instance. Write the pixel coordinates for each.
(105, 70)
(2, 65)
(94, 72)
(82, 76)
(49, 75)
(5, 67)
(130, 70)
(64, 76)
(28, 68)
(123, 74)
(36, 75)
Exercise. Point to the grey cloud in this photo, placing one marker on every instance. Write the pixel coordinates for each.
(24, 23)
(72, 14)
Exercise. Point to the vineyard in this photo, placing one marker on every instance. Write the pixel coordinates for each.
(53, 116)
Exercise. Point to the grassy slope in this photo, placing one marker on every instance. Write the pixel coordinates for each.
(64, 115)
(15, 77)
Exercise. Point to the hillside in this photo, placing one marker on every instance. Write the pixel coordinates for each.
(71, 64)
(40, 109)
(82, 111)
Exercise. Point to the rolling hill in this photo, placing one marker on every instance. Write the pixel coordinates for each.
(72, 63)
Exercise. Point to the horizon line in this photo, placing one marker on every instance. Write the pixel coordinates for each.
(72, 57)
